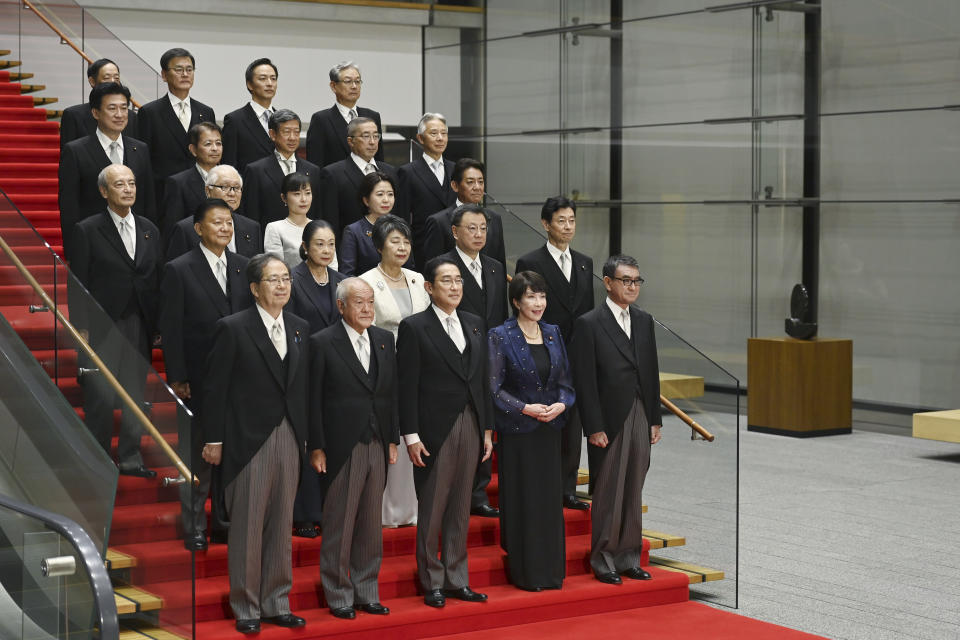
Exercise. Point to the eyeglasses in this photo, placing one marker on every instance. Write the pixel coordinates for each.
(367, 137)
(474, 230)
(630, 282)
(449, 282)
(227, 189)
(353, 83)
(275, 280)
(181, 71)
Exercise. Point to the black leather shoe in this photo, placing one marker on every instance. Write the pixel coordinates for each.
(248, 626)
(465, 593)
(197, 542)
(285, 620)
(375, 608)
(609, 578)
(305, 531)
(347, 613)
(434, 598)
(636, 573)
(485, 511)
(572, 502)
(139, 471)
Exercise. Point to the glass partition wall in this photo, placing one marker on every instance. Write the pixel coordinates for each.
(680, 126)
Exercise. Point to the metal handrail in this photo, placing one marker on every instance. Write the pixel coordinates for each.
(98, 363)
(100, 585)
(64, 39)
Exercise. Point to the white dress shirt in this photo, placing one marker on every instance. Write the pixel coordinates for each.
(258, 111)
(119, 221)
(555, 253)
(292, 161)
(355, 341)
(617, 311)
(345, 111)
(269, 321)
(213, 260)
(203, 174)
(467, 260)
(413, 438)
(436, 166)
(175, 103)
(105, 142)
(362, 164)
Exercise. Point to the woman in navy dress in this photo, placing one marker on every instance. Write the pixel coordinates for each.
(357, 252)
(313, 296)
(532, 390)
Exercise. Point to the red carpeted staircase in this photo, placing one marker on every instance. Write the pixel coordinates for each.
(147, 554)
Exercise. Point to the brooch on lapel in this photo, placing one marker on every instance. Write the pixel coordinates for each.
(476, 331)
(383, 347)
(369, 233)
(549, 338)
(238, 269)
(296, 337)
(583, 268)
(413, 281)
(246, 237)
(146, 235)
(380, 285)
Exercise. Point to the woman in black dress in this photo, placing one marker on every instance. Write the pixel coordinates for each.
(313, 296)
(532, 389)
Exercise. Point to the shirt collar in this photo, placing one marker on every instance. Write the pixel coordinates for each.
(457, 204)
(556, 253)
(258, 109)
(431, 162)
(345, 111)
(117, 220)
(203, 174)
(444, 315)
(268, 320)
(174, 100)
(615, 309)
(212, 258)
(361, 163)
(467, 260)
(280, 157)
(105, 142)
(352, 333)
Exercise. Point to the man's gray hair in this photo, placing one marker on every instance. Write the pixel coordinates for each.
(427, 117)
(221, 171)
(354, 125)
(338, 68)
(345, 285)
(102, 176)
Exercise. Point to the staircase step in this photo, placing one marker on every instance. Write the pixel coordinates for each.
(140, 630)
(38, 101)
(54, 114)
(18, 101)
(32, 170)
(11, 88)
(694, 573)
(9, 64)
(18, 237)
(29, 155)
(49, 140)
(7, 76)
(32, 88)
(132, 600)
(119, 560)
(21, 114)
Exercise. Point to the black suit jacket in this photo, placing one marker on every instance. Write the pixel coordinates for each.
(341, 196)
(118, 284)
(423, 196)
(182, 194)
(191, 303)
(244, 138)
(262, 180)
(489, 303)
(160, 128)
(81, 161)
(77, 121)
(344, 401)
(566, 301)
(249, 390)
(438, 382)
(246, 233)
(608, 370)
(327, 135)
(306, 297)
(438, 238)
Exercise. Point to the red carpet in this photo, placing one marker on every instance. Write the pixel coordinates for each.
(146, 515)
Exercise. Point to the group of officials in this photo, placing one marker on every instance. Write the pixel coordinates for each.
(282, 359)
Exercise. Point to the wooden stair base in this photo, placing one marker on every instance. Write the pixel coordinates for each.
(8, 64)
(131, 600)
(54, 114)
(142, 631)
(20, 75)
(31, 88)
(696, 573)
(39, 102)
(937, 425)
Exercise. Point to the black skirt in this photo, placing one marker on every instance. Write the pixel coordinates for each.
(531, 509)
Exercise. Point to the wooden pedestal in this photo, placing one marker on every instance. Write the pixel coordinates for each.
(800, 388)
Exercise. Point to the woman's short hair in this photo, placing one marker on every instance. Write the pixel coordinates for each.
(521, 282)
(370, 182)
(308, 232)
(294, 182)
(385, 225)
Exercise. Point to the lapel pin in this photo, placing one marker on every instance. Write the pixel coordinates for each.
(296, 337)
(383, 346)
(476, 331)
(246, 237)
(146, 236)
(369, 234)
(380, 285)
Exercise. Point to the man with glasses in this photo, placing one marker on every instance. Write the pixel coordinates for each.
(569, 278)
(184, 191)
(468, 183)
(485, 295)
(617, 379)
(446, 418)
(341, 180)
(82, 160)
(425, 182)
(246, 131)
(254, 423)
(77, 121)
(327, 134)
(263, 178)
(164, 123)
(222, 182)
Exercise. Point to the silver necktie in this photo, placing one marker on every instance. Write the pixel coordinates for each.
(265, 118)
(352, 114)
(565, 266)
(126, 234)
(625, 321)
(222, 275)
(115, 153)
(475, 270)
(276, 335)
(370, 168)
(184, 119)
(364, 348)
(455, 334)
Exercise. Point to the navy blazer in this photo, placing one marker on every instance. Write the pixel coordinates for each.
(306, 297)
(357, 252)
(514, 382)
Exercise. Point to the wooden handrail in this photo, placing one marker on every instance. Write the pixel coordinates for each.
(104, 371)
(675, 410)
(63, 38)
